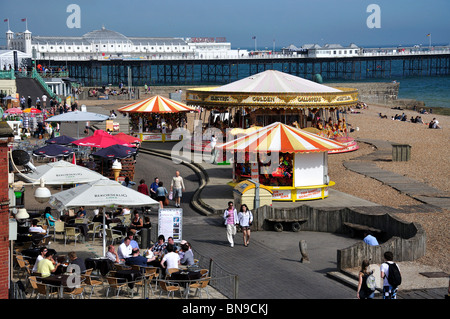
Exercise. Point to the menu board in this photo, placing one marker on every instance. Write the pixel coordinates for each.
(170, 223)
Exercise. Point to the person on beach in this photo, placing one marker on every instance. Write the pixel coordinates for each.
(363, 291)
(231, 220)
(177, 187)
(245, 220)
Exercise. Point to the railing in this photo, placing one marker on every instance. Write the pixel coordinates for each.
(7, 75)
(35, 75)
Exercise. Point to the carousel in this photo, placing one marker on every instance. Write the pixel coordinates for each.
(156, 117)
(273, 96)
(291, 162)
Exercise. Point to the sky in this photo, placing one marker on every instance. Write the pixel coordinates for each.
(276, 23)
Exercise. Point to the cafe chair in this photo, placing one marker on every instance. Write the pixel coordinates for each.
(80, 221)
(201, 285)
(77, 292)
(42, 289)
(58, 229)
(170, 271)
(204, 273)
(121, 267)
(168, 287)
(112, 236)
(33, 283)
(23, 264)
(114, 284)
(149, 274)
(71, 232)
(92, 283)
(94, 228)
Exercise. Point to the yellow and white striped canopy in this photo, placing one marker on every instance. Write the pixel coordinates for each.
(279, 137)
(156, 104)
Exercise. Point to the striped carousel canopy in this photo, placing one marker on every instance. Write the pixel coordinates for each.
(156, 104)
(279, 137)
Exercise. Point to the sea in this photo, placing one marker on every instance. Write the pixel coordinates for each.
(434, 91)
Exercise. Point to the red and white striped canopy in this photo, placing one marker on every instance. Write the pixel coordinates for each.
(156, 104)
(279, 137)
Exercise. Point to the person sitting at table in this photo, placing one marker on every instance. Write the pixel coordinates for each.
(48, 216)
(137, 259)
(136, 223)
(75, 260)
(188, 256)
(47, 266)
(81, 212)
(159, 247)
(112, 255)
(133, 243)
(35, 228)
(171, 259)
(125, 249)
(42, 252)
(170, 241)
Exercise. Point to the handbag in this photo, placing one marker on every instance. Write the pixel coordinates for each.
(166, 202)
(171, 195)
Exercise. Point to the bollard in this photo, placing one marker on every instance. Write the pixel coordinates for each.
(302, 246)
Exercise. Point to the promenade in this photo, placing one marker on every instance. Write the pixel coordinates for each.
(270, 267)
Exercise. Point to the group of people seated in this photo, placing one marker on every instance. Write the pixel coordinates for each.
(418, 119)
(162, 254)
(47, 263)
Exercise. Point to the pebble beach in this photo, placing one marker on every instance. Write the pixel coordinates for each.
(429, 163)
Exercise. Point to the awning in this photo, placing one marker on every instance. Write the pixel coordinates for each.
(156, 104)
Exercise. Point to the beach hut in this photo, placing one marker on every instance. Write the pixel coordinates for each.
(291, 162)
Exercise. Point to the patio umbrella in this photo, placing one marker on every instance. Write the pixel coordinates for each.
(14, 110)
(101, 193)
(62, 173)
(115, 151)
(101, 139)
(156, 104)
(32, 110)
(61, 140)
(53, 150)
(78, 116)
(128, 138)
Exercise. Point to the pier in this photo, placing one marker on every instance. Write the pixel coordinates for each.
(368, 64)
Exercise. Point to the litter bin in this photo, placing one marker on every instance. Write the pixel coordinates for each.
(244, 193)
(401, 152)
(145, 234)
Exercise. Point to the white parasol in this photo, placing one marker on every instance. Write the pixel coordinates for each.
(101, 193)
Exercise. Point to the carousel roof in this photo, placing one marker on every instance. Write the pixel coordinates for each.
(156, 104)
(272, 81)
(279, 137)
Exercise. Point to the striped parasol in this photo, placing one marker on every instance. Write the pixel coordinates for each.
(278, 137)
(156, 104)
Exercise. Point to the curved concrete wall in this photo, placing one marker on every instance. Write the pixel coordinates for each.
(406, 240)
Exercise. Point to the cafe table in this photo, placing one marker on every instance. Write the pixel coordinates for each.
(63, 282)
(104, 265)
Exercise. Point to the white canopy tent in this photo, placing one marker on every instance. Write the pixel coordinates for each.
(78, 116)
(101, 193)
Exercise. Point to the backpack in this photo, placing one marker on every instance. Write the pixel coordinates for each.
(371, 282)
(394, 277)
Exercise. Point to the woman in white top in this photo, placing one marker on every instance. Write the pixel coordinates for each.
(245, 220)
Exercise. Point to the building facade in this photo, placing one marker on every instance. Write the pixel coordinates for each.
(106, 44)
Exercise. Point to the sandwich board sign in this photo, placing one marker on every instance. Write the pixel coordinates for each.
(170, 222)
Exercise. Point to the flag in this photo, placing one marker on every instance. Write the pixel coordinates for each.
(6, 20)
(253, 37)
(23, 20)
(429, 34)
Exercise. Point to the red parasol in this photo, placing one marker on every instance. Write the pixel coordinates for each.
(101, 139)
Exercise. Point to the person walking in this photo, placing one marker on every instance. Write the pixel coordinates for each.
(161, 193)
(245, 218)
(231, 220)
(390, 273)
(142, 188)
(177, 187)
(153, 187)
(363, 291)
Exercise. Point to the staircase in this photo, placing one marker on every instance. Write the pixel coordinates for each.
(30, 87)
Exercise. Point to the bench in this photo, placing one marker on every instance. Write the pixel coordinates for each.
(294, 223)
(358, 228)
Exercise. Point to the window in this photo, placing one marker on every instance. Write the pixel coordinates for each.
(334, 52)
